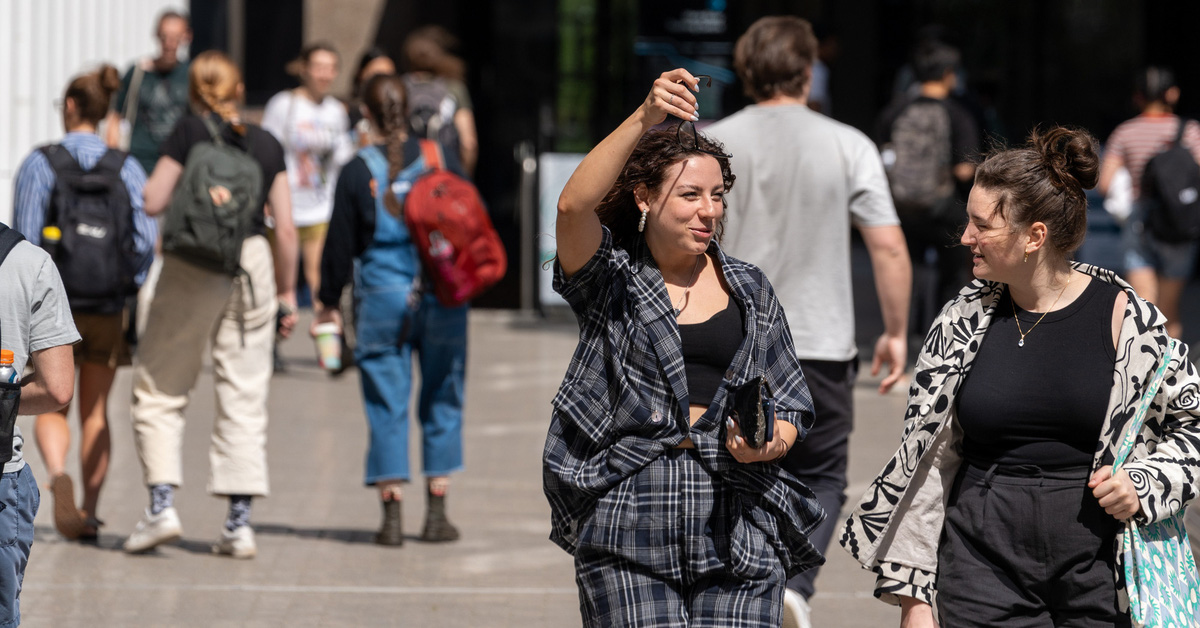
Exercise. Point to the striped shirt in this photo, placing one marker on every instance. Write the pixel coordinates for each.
(1136, 141)
(624, 401)
(35, 183)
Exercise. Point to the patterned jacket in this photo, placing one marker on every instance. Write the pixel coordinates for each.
(624, 401)
(897, 526)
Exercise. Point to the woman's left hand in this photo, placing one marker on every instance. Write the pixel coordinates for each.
(1116, 493)
(743, 452)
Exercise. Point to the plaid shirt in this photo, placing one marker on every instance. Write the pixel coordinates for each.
(624, 400)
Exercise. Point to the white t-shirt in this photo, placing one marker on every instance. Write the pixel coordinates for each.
(802, 180)
(34, 315)
(316, 144)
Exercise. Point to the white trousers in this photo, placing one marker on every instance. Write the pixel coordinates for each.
(193, 306)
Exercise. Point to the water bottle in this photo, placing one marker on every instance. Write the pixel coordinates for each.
(7, 372)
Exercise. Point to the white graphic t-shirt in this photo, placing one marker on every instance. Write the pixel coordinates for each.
(316, 143)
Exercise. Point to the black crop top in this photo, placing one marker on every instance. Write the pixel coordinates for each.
(1044, 403)
(708, 350)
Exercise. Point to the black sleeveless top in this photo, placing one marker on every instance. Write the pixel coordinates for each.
(1043, 403)
(708, 349)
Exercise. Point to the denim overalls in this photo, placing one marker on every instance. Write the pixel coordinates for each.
(383, 281)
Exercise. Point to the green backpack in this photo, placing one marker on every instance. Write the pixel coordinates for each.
(215, 204)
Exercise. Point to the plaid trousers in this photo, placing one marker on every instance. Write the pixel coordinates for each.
(657, 553)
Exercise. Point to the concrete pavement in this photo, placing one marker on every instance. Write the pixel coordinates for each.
(317, 565)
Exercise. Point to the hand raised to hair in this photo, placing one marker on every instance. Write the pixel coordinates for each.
(672, 94)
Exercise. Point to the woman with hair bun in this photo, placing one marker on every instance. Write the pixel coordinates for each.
(104, 346)
(1001, 498)
(195, 307)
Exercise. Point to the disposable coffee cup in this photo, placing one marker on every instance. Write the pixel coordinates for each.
(329, 346)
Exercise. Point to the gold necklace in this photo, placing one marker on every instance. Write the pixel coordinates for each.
(687, 288)
(1013, 302)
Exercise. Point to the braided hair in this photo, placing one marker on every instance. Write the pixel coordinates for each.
(387, 104)
(215, 84)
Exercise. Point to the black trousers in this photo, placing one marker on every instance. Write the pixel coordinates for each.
(820, 460)
(1022, 547)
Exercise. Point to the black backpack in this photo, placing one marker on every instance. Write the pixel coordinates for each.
(92, 211)
(1171, 192)
(10, 393)
(431, 109)
(920, 174)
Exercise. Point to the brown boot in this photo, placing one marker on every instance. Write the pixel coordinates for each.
(438, 528)
(391, 531)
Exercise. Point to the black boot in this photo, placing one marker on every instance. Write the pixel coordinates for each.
(438, 528)
(391, 532)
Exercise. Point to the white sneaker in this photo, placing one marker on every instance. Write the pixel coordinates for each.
(154, 530)
(239, 543)
(795, 610)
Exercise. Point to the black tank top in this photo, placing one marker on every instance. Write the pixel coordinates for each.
(708, 350)
(1044, 403)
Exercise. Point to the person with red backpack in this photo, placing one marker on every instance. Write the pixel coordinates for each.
(395, 316)
(82, 203)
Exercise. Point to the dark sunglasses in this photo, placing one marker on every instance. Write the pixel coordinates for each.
(686, 133)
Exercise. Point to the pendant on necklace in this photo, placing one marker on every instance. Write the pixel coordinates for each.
(1021, 342)
(678, 311)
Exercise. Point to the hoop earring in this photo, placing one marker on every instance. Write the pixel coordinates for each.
(642, 222)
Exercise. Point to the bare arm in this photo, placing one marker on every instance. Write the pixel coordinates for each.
(279, 200)
(1108, 169)
(161, 184)
(468, 139)
(916, 614)
(578, 228)
(112, 130)
(52, 384)
(893, 284)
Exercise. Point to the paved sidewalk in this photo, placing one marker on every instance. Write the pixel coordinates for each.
(317, 565)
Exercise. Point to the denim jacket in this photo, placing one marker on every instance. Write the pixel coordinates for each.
(624, 401)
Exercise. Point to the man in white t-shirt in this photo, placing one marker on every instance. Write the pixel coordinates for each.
(36, 325)
(314, 129)
(802, 181)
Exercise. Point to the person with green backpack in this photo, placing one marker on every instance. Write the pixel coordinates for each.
(219, 283)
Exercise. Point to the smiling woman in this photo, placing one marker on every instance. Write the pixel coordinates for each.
(644, 470)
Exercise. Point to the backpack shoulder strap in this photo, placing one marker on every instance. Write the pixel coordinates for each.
(432, 152)
(1183, 122)
(60, 159)
(375, 161)
(9, 238)
(112, 161)
(214, 131)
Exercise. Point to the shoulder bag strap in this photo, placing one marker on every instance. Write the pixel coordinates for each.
(135, 88)
(1139, 418)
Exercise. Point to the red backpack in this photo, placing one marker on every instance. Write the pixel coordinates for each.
(459, 248)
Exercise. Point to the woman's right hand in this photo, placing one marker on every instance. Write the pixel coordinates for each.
(916, 614)
(326, 315)
(672, 94)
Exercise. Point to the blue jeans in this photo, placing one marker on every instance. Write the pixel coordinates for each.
(438, 335)
(19, 501)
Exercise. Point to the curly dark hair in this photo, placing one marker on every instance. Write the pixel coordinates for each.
(657, 151)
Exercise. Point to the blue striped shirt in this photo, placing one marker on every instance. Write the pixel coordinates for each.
(35, 183)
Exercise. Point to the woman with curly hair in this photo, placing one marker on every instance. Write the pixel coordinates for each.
(673, 517)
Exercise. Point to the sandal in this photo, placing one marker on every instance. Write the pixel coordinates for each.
(91, 527)
(67, 519)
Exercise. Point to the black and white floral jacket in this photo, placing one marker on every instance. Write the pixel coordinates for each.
(896, 528)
